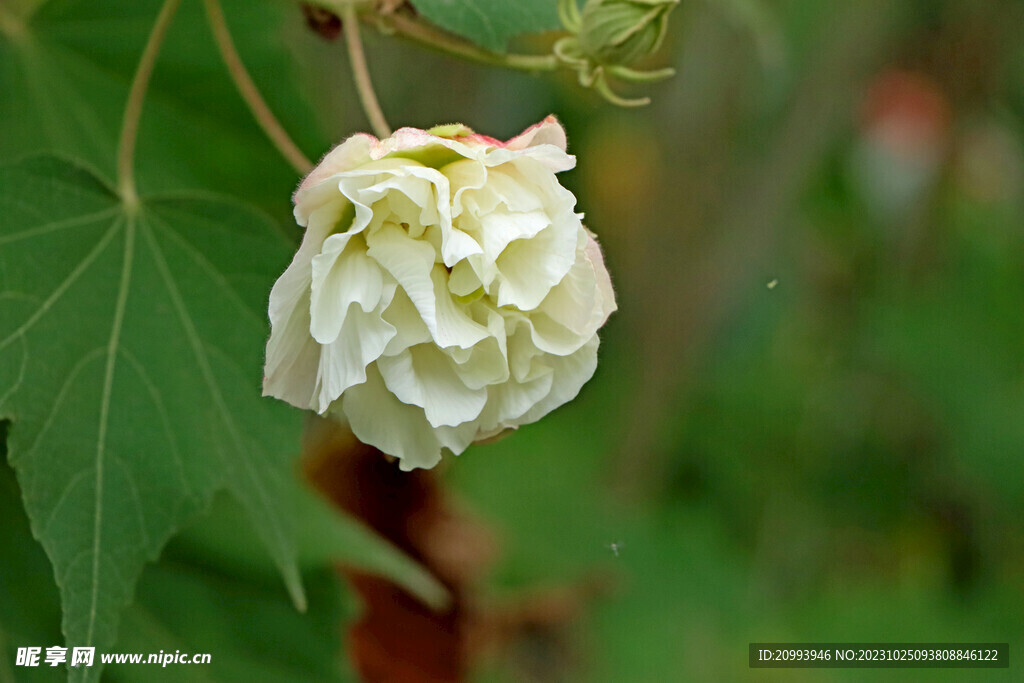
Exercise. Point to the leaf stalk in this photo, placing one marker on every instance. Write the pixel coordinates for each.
(361, 73)
(428, 36)
(136, 98)
(273, 129)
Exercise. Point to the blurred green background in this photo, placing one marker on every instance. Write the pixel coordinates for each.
(808, 422)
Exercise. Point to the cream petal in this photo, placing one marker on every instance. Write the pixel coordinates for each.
(429, 189)
(515, 190)
(522, 352)
(350, 153)
(343, 362)
(551, 337)
(409, 262)
(508, 402)
(464, 176)
(293, 357)
(409, 326)
(457, 439)
(452, 326)
(570, 373)
(378, 418)
(463, 280)
(412, 197)
(422, 375)
(528, 173)
(604, 280)
(549, 156)
(543, 145)
(500, 228)
(576, 303)
(547, 132)
(530, 268)
(486, 362)
(456, 245)
(321, 203)
(342, 275)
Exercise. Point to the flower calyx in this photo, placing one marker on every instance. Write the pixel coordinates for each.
(607, 37)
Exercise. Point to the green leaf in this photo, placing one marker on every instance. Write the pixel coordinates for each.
(249, 630)
(64, 79)
(325, 537)
(30, 608)
(130, 362)
(491, 23)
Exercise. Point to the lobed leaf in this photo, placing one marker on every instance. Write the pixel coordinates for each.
(491, 23)
(65, 74)
(130, 365)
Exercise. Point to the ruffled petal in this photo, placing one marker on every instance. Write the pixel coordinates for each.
(547, 132)
(570, 373)
(508, 402)
(501, 228)
(604, 280)
(342, 275)
(409, 326)
(529, 268)
(343, 361)
(378, 418)
(293, 356)
(424, 376)
(350, 154)
(409, 262)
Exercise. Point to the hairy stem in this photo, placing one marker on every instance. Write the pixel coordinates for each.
(250, 93)
(350, 22)
(136, 97)
(428, 36)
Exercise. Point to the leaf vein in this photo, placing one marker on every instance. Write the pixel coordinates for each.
(210, 269)
(63, 287)
(61, 395)
(55, 226)
(165, 419)
(13, 389)
(204, 366)
(101, 441)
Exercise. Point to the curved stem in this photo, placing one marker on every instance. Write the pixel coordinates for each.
(350, 23)
(136, 97)
(250, 93)
(429, 36)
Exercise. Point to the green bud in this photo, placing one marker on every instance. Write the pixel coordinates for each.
(623, 31)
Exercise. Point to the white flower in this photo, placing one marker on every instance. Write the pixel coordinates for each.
(445, 289)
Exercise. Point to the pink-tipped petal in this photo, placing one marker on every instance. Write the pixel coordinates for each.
(547, 132)
(351, 153)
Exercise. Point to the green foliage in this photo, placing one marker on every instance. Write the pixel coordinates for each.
(65, 76)
(122, 430)
(225, 539)
(251, 632)
(491, 23)
(184, 603)
(30, 608)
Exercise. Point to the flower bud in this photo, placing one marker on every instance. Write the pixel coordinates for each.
(623, 31)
